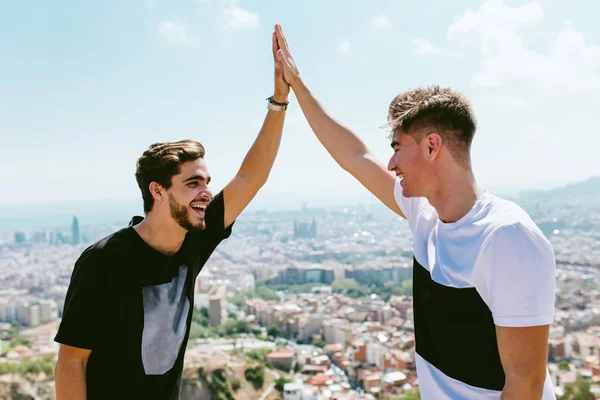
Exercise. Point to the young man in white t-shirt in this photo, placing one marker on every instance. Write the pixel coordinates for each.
(484, 274)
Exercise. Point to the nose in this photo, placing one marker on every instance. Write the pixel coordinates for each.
(392, 163)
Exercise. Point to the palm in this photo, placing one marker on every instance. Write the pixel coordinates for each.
(282, 88)
(290, 70)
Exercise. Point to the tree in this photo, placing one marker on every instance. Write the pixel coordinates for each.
(563, 365)
(274, 331)
(578, 390)
(256, 375)
(413, 394)
(280, 383)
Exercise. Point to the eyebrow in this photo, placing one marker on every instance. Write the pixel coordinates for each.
(197, 178)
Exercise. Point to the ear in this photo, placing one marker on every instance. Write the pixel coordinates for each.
(157, 192)
(433, 143)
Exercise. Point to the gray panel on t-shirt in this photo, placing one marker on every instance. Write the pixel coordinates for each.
(166, 309)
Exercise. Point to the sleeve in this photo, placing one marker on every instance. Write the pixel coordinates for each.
(515, 276)
(410, 206)
(215, 219)
(81, 321)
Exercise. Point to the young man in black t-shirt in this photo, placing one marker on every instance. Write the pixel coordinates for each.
(129, 305)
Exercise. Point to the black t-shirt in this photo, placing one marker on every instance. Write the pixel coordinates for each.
(132, 306)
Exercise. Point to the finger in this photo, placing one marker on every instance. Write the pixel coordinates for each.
(285, 43)
(280, 57)
(280, 39)
(274, 44)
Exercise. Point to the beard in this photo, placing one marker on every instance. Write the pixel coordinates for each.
(180, 214)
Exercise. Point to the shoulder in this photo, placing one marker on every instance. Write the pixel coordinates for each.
(101, 255)
(505, 219)
(512, 236)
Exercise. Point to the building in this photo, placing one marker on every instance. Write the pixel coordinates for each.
(217, 307)
(75, 232)
(303, 229)
(48, 311)
(29, 314)
(282, 359)
(313, 273)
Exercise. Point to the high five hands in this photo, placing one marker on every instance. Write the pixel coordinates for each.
(283, 58)
(282, 87)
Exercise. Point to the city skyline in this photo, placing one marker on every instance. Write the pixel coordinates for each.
(171, 70)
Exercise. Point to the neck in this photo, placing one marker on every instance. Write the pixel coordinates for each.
(456, 193)
(163, 235)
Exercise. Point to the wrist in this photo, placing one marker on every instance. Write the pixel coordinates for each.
(280, 98)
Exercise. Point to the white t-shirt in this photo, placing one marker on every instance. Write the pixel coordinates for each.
(495, 248)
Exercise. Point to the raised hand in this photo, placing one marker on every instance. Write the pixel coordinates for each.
(282, 55)
(282, 88)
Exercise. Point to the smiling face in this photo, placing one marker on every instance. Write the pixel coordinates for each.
(412, 162)
(189, 195)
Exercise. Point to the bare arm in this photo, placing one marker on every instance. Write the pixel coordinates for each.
(343, 145)
(257, 164)
(70, 373)
(524, 353)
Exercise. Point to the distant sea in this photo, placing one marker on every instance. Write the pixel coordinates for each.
(55, 215)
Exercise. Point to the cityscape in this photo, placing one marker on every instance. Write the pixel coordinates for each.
(307, 304)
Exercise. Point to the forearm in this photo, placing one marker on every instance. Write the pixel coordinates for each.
(70, 381)
(341, 143)
(257, 164)
(523, 389)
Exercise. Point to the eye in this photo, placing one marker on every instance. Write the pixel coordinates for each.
(193, 184)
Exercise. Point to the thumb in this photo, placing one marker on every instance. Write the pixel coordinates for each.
(279, 55)
(278, 68)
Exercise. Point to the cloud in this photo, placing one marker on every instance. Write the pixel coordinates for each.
(382, 22)
(344, 47)
(539, 90)
(502, 35)
(425, 48)
(238, 18)
(173, 32)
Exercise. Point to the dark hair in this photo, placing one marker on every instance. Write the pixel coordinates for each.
(160, 162)
(421, 110)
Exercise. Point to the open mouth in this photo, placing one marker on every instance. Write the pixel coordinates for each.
(199, 208)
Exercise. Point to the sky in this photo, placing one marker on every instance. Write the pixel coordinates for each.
(85, 88)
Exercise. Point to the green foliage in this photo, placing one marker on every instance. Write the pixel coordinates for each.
(262, 292)
(235, 327)
(201, 328)
(256, 375)
(274, 331)
(200, 317)
(235, 385)
(280, 383)
(339, 285)
(8, 345)
(353, 289)
(258, 354)
(219, 387)
(578, 390)
(413, 394)
(29, 366)
(563, 365)
(303, 288)
(319, 343)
